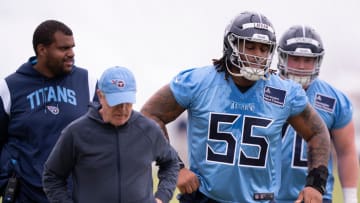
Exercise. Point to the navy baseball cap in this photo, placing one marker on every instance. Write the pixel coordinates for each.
(119, 86)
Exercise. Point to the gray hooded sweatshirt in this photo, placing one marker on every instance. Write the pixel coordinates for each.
(110, 164)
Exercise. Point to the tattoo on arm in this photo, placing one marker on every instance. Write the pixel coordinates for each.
(162, 107)
(319, 142)
(312, 120)
(313, 129)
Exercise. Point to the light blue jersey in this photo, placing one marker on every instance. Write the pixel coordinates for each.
(234, 138)
(336, 110)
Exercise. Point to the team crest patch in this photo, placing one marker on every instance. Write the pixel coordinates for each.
(324, 103)
(275, 96)
(118, 82)
(53, 109)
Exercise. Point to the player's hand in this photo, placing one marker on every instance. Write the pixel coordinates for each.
(187, 182)
(309, 195)
(158, 200)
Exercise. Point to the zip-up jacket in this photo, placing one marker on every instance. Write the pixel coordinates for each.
(111, 164)
(33, 111)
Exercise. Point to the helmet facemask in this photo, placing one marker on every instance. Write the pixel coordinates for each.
(251, 67)
(301, 76)
(300, 41)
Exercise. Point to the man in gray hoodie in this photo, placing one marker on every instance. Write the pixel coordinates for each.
(110, 150)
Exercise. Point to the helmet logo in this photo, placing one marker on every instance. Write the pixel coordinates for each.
(303, 51)
(304, 40)
(261, 26)
(260, 37)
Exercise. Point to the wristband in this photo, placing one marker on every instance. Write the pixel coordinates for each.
(350, 194)
(317, 178)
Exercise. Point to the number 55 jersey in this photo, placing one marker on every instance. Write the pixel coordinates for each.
(234, 137)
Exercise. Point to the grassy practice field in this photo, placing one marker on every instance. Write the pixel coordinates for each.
(336, 199)
(337, 196)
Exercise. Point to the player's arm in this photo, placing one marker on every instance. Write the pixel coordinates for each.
(312, 128)
(347, 161)
(162, 107)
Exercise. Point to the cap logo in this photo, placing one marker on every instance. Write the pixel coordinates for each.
(118, 83)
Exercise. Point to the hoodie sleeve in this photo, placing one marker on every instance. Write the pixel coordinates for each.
(4, 112)
(57, 169)
(167, 161)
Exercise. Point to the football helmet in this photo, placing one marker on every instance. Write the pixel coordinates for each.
(244, 28)
(304, 41)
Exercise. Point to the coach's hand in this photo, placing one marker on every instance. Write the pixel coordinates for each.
(187, 182)
(309, 194)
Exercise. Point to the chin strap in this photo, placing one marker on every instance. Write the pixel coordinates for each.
(248, 73)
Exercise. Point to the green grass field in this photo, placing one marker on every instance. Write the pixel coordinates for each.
(337, 196)
(337, 191)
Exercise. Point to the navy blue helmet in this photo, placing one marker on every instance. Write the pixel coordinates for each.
(303, 41)
(253, 27)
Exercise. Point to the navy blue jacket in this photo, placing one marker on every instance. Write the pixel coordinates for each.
(33, 111)
(111, 164)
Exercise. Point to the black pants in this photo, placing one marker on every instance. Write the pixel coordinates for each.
(195, 197)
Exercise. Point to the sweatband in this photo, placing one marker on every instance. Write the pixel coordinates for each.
(350, 194)
(317, 178)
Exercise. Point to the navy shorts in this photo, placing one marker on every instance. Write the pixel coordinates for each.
(198, 197)
(195, 197)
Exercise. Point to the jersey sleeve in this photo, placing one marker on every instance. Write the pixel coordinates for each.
(183, 87)
(298, 99)
(343, 111)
